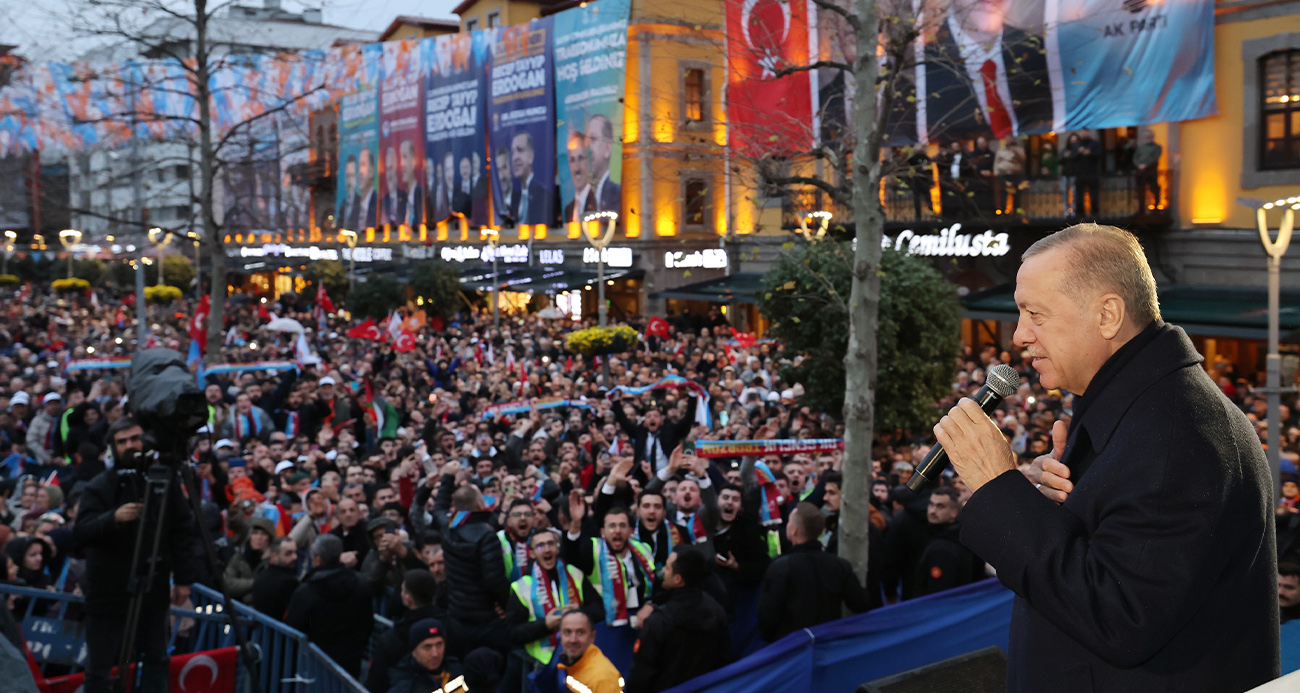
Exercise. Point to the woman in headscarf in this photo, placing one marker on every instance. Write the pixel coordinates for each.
(248, 559)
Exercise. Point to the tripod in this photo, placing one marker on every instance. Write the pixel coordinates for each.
(159, 479)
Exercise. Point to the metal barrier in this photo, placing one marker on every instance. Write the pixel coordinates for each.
(287, 661)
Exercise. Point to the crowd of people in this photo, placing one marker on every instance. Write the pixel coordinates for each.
(495, 498)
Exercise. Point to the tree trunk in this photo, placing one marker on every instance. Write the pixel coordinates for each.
(864, 299)
(207, 168)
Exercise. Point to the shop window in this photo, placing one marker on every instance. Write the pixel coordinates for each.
(1279, 133)
(695, 196)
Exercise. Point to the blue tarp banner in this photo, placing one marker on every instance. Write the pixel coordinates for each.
(839, 656)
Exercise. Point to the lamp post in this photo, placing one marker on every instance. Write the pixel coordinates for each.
(160, 238)
(350, 237)
(10, 238)
(494, 241)
(69, 238)
(808, 234)
(1273, 384)
(600, 241)
(197, 239)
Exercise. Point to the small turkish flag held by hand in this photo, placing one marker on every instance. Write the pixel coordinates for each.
(405, 342)
(323, 299)
(657, 327)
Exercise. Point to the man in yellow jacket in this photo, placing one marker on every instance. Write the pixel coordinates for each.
(583, 667)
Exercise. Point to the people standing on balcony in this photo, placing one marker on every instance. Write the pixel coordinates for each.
(1085, 156)
(1146, 170)
(919, 179)
(954, 173)
(1009, 168)
(981, 158)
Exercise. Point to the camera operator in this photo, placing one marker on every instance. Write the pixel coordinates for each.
(107, 527)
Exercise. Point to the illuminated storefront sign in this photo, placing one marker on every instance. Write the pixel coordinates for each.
(509, 254)
(949, 243)
(283, 250)
(710, 258)
(614, 257)
(553, 256)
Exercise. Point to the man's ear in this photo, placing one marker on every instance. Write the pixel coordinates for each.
(1111, 315)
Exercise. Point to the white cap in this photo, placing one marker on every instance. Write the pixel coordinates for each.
(20, 397)
(51, 397)
(328, 380)
(223, 443)
(51, 364)
(205, 429)
(334, 335)
(283, 466)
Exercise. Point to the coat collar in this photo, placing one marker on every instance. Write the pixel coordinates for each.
(1169, 352)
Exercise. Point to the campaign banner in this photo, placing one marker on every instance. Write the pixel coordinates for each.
(1132, 63)
(507, 408)
(251, 179)
(455, 112)
(521, 124)
(401, 166)
(295, 151)
(786, 446)
(357, 194)
(1017, 67)
(770, 111)
(590, 74)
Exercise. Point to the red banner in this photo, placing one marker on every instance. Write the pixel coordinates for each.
(212, 671)
(769, 111)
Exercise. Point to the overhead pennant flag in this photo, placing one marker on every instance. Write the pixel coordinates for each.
(394, 329)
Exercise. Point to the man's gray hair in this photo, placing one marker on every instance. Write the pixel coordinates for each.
(1105, 259)
(328, 548)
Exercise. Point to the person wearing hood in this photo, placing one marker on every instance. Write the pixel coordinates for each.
(31, 555)
(689, 636)
(389, 557)
(332, 606)
(316, 521)
(249, 559)
(86, 424)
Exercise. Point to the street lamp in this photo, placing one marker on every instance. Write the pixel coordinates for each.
(69, 238)
(600, 241)
(160, 238)
(1273, 390)
(809, 235)
(197, 239)
(10, 237)
(494, 240)
(350, 237)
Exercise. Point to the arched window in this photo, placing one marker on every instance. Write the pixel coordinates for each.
(1280, 129)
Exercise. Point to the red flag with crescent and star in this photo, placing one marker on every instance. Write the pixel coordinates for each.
(211, 671)
(199, 325)
(770, 109)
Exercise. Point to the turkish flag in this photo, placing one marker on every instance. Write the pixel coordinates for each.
(212, 671)
(366, 330)
(198, 329)
(657, 327)
(405, 342)
(323, 299)
(770, 113)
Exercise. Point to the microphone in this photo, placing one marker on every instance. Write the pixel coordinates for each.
(1000, 382)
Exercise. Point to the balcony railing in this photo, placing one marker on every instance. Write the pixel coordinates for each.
(1114, 198)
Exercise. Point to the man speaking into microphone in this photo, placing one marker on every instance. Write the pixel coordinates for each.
(1141, 550)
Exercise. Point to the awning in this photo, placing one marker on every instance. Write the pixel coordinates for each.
(1210, 311)
(741, 287)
